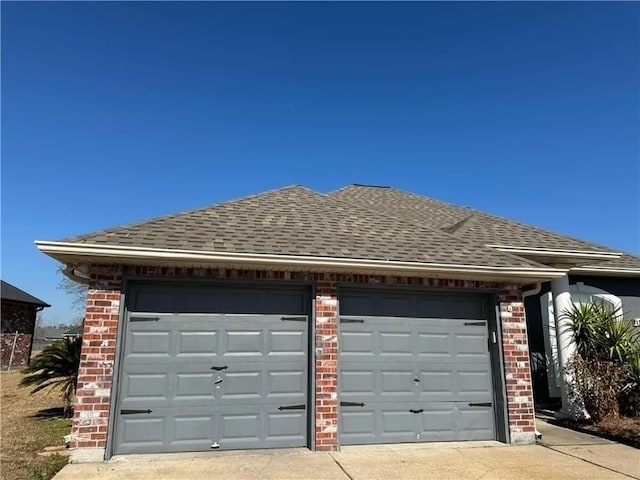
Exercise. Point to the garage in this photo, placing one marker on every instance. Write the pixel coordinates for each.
(205, 367)
(416, 367)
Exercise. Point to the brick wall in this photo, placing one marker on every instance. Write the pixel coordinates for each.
(326, 421)
(103, 305)
(91, 410)
(21, 318)
(516, 366)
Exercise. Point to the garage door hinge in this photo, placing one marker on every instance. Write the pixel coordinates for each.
(351, 320)
(133, 411)
(474, 324)
(144, 319)
(351, 404)
(294, 319)
(302, 406)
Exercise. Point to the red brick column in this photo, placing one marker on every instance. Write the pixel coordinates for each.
(326, 362)
(91, 408)
(516, 366)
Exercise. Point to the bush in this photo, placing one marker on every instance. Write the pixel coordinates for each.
(597, 384)
(605, 369)
(56, 367)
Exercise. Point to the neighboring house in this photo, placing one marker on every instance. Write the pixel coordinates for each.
(45, 336)
(73, 332)
(292, 318)
(19, 310)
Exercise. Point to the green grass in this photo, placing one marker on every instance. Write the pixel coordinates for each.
(29, 424)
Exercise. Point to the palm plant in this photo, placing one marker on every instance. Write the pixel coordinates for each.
(56, 368)
(603, 366)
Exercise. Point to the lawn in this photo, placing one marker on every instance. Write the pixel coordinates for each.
(29, 423)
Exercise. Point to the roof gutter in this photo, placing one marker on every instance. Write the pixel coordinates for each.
(612, 270)
(562, 253)
(79, 253)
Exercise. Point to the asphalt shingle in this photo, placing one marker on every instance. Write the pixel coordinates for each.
(470, 224)
(298, 221)
(14, 294)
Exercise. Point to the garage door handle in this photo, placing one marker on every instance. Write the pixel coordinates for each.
(133, 411)
(144, 319)
(351, 404)
(417, 411)
(351, 320)
(481, 404)
(475, 324)
(217, 369)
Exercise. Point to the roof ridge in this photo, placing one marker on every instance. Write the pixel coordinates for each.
(139, 223)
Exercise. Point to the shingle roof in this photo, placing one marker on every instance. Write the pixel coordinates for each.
(470, 224)
(357, 222)
(14, 294)
(298, 221)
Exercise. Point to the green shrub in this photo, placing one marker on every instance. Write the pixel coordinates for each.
(56, 367)
(605, 370)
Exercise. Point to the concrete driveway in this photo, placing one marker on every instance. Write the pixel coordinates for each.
(562, 454)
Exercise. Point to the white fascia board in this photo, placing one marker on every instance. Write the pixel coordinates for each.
(81, 250)
(557, 252)
(611, 270)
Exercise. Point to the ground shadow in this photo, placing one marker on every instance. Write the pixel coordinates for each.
(56, 412)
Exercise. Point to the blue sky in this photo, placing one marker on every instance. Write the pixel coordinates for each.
(114, 112)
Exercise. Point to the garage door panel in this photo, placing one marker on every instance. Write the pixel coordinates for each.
(395, 343)
(434, 345)
(377, 422)
(289, 343)
(197, 343)
(476, 423)
(416, 376)
(244, 427)
(357, 343)
(211, 379)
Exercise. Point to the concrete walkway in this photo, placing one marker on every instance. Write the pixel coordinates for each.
(589, 448)
(562, 454)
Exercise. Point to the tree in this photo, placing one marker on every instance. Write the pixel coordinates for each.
(78, 291)
(56, 367)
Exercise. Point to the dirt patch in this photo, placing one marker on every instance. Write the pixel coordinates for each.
(623, 429)
(29, 424)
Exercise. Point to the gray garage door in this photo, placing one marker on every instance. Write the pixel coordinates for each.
(193, 378)
(414, 368)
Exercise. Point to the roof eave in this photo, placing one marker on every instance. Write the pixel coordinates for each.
(74, 253)
(606, 271)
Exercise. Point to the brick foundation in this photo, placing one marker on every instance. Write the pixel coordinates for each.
(20, 318)
(92, 405)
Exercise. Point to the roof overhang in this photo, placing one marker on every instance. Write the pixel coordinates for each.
(596, 270)
(556, 257)
(75, 254)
